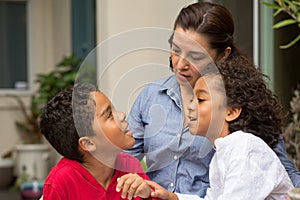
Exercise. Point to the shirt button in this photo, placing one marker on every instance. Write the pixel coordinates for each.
(171, 184)
(175, 157)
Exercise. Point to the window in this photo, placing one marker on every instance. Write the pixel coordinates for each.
(83, 27)
(244, 29)
(13, 48)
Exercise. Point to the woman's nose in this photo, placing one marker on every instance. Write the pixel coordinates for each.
(182, 63)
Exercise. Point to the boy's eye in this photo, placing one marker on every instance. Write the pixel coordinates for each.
(109, 115)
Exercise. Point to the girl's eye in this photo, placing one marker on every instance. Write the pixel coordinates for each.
(200, 100)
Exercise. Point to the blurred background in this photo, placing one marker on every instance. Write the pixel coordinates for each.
(38, 35)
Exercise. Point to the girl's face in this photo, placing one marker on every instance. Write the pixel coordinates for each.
(110, 126)
(190, 52)
(207, 109)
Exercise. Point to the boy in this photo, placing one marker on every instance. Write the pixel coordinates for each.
(83, 126)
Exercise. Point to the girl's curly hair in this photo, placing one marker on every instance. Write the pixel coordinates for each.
(245, 87)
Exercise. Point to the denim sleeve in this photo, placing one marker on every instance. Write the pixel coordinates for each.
(289, 166)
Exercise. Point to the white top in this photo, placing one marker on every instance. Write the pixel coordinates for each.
(245, 167)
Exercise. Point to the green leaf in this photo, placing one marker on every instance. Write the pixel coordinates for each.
(292, 6)
(284, 23)
(278, 11)
(271, 5)
(296, 3)
(294, 41)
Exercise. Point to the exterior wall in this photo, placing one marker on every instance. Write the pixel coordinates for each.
(126, 74)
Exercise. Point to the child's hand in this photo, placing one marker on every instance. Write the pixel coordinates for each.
(160, 192)
(133, 185)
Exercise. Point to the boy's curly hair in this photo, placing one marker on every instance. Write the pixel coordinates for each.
(67, 117)
(245, 87)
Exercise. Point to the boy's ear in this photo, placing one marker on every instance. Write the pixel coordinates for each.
(232, 113)
(86, 144)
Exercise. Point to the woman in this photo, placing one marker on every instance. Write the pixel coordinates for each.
(176, 159)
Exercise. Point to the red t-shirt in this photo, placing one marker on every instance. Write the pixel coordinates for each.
(68, 180)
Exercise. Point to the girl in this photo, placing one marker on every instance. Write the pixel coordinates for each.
(242, 119)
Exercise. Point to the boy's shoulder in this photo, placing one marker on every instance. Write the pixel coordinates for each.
(64, 164)
(64, 170)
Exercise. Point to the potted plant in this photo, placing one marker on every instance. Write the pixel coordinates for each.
(32, 156)
(48, 85)
(292, 9)
(292, 131)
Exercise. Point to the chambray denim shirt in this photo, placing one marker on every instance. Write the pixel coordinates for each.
(176, 159)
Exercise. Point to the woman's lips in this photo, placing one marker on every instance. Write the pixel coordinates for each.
(182, 77)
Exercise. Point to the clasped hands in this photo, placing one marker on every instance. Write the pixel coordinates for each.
(132, 185)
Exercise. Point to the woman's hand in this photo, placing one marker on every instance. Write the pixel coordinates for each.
(132, 185)
(160, 192)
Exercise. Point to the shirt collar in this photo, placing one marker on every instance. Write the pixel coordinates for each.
(171, 85)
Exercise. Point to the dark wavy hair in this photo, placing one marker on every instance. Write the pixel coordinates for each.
(67, 117)
(245, 87)
(212, 20)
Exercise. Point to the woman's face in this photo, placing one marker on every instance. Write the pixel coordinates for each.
(190, 52)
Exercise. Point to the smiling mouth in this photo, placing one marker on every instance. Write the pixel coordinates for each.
(192, 118)
(128, 131)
